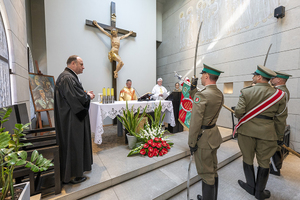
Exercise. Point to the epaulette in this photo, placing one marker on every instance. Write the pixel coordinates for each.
(202, 90)
(247, 87)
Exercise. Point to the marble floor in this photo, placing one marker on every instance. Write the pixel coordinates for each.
(112, 166)
(284, 187)
(117, 177)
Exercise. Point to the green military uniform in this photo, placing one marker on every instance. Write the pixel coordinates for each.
(258, 136)
(277, 158)
(206, 107)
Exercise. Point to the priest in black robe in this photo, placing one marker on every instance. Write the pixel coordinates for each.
(72, 123)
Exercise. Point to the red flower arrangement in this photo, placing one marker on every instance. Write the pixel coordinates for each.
(156, 147)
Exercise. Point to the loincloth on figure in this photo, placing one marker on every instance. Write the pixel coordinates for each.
(112, 56)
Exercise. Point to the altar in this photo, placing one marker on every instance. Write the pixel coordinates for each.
(98, 112)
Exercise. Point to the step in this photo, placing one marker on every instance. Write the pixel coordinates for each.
(165, 181)
(228, 152)
(112, 167)
(281, 187)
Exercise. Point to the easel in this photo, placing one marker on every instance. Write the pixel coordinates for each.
(39, 117)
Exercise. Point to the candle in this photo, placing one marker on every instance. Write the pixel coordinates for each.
(104, 91)
(108, 92)
(112, 92)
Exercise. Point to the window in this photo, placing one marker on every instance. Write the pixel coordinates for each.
(228, 88)
(5, 94)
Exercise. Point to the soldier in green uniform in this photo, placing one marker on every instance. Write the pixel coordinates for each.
(258, 136)
(204, 136)
(279, 82)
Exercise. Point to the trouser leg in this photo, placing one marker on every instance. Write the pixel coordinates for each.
(206, 163)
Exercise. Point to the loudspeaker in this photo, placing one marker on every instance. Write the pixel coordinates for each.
(279, 12)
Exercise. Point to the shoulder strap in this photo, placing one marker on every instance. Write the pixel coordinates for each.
(217, 111)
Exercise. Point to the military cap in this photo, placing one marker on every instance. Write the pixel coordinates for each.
(211, 70)
(282, 75)
(264, 72)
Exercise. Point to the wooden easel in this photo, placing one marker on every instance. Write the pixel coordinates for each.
(39, 117)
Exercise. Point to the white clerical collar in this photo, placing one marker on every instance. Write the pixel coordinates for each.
(279, 85)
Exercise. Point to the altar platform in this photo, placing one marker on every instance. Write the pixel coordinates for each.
(117, 177)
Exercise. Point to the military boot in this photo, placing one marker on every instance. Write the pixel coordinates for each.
(261, 182)
(274, 170)
(249, 186)
(216, 187)
(208, 192)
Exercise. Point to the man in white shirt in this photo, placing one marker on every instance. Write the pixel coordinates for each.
(158, 90)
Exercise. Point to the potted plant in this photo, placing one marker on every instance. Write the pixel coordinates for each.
(131, 121)
(151, 140)
(158, 119)
(11, 155)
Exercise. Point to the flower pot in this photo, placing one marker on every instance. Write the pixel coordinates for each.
(131, 140)
(25, 194)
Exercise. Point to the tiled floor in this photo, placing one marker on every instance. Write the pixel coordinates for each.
(285, 187)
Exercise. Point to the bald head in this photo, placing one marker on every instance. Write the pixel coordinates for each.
(75, 63)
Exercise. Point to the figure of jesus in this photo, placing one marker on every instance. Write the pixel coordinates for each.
(113, 55)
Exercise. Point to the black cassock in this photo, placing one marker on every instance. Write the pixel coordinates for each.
(72, 123)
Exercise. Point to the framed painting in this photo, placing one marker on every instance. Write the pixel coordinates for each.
(42, 91)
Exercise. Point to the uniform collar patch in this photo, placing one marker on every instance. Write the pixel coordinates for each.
(197, 99)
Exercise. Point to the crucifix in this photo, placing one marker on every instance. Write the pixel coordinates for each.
(115, 41)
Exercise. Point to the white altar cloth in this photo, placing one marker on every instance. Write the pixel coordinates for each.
(98, 112)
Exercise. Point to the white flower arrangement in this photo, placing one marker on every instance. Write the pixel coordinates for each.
(151, 132)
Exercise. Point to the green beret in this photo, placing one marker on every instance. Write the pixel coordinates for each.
(264, 72)
(282, 75)
(211, 70)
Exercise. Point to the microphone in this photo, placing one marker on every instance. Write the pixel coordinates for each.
(137, 92)
(169, 88)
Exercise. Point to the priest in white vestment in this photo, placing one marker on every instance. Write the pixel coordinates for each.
(158, 90)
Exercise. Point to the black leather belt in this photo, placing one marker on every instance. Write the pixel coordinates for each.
(263, 117)
(207, 127)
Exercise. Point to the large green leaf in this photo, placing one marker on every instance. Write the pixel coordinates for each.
(28, 165)
(6, 151)
(23, 154)
(20, 162)
(12, 161)
(39, 160)
(135, 151)
(34, 155)
(4, 139)
(45, 163)
(12, 144)
(34, 168)
(13, 155)
(7, 114)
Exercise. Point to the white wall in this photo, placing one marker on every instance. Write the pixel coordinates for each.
(67, 34)
(159, 12)
(237, 49)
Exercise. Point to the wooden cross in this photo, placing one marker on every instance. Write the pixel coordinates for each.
(109, 28)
